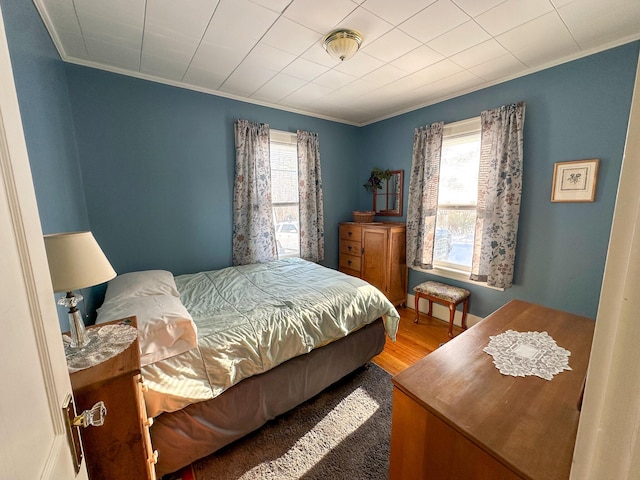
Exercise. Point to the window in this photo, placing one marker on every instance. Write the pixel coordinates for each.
(284, 192)
(457, 195)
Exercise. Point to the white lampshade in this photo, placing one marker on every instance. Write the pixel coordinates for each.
(76, 261)
(342, 44)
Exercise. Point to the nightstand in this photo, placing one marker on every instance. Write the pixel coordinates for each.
(121, 448)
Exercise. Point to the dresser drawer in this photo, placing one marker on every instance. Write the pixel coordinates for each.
(350, 262)
(349, 247)
(350, 232)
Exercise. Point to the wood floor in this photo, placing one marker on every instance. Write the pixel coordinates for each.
(414, 341)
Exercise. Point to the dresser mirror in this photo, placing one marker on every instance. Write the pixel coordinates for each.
(387, 201)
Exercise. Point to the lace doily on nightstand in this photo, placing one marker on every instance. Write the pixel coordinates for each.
(527, 353)
(104, 343)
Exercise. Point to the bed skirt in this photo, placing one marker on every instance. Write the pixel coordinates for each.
(200, 429)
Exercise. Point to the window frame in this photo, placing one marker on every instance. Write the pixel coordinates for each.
(469, 126)
(285, 138)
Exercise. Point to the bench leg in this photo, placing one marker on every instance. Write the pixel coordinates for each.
(430, 307)
(465, 308)
(452, 314)
(415, 320)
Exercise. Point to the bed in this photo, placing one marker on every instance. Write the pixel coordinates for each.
(224, 351)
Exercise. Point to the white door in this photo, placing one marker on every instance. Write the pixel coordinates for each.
(33, 373)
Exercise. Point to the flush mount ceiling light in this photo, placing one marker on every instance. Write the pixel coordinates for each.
(342, 44)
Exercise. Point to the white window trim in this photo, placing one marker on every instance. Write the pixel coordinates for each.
(461, 128)
(455, 274)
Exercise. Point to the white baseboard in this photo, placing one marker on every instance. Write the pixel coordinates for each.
(441, 312)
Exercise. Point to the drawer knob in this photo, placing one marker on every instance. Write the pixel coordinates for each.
(349, 247)
(149, 422)
(93, 417)
(349, 262)
(154, 457)
(349, 233)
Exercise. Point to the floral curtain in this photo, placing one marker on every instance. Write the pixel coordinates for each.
(253, 229)
(310, 194)
(423, 195)
(499, 191)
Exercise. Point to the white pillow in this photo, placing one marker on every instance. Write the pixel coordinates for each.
(141, 284)
(165, 327)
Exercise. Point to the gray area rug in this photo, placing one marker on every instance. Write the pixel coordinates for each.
(342, 433)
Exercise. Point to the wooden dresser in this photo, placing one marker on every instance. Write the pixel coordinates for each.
(121, 448)
(455, 416)
(376, 253)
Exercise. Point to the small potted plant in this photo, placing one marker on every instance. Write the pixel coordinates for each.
(375, 179)
(373, 184)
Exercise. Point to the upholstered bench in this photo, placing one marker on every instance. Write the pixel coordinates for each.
(445, 295)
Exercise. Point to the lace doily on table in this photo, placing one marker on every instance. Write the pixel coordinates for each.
(527, 353)
(104, 343)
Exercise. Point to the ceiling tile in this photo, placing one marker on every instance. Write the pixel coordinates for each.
(277, 6)
(594, 22)
(461, 81)
(334, 79)
(434, 20)
(187, 19)
(506, 66)
(304, 69)
(204, 78)
(397, 11)
(438, 71)
(245, 80)
(128, 12)
(112, 54)
(478, 54)
(391, 45)
(417, 59)
(540, 40)
(238, 25)
(290, 36)
(476, 7)
(561, 3)
(277, 88)
(319, 16)
(306, 95)
(267, 57)
(360, 64)
(512, 13)
(383, 76)
(215, 58)
(369, 25)
(460, 38)
(163, 66)
(126, 34)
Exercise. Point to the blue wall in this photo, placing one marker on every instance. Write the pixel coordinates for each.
(158, 165)
(574, 111)
(48, 125)
(149, 168)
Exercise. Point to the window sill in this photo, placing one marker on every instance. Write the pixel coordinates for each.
(453, 274)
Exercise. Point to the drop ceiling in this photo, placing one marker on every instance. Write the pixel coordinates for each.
(269, 52)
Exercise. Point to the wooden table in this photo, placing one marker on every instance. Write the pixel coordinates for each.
(455, 416)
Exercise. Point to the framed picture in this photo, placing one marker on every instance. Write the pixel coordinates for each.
(575, 181)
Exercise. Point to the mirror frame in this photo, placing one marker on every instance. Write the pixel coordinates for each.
(381, 196)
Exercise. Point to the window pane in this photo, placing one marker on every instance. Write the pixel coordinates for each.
(454, 236)
(284, 192)
(459, 167)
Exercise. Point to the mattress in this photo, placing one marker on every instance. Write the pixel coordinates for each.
(253, 318)
(202, 428)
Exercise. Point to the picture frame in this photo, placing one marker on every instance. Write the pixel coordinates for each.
(575, 181)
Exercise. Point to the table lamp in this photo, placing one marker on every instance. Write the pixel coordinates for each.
(76, 261)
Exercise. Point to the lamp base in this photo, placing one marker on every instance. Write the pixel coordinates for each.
(77, 330)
